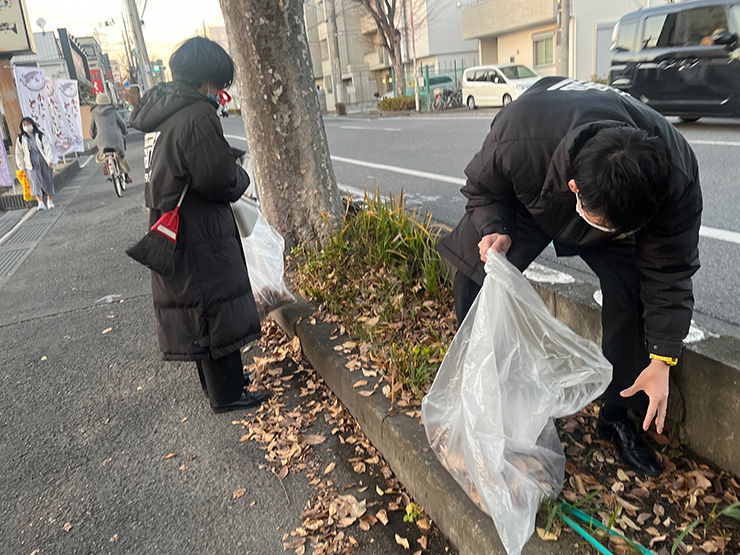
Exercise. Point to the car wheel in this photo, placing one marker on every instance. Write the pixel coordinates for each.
(507, 99)
(687, 119)
(471, 103)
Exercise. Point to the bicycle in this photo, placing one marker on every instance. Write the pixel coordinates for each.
(445, 99)
(114, 171)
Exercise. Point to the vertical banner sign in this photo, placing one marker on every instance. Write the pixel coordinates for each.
(32, 97)
(64, 107)
(6, 177)
(97, 81)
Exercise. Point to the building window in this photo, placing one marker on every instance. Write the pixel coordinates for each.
(543, 50)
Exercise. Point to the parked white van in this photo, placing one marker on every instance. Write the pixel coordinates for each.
(496, 85)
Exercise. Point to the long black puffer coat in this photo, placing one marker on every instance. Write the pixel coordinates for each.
(207, 307)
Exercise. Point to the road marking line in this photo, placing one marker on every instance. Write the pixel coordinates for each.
(404, 171)
(87, 161)
(369, 128)
(713, 143)
(710, 232)
(720, 234)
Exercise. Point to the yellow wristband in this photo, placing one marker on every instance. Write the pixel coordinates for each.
(668, 360)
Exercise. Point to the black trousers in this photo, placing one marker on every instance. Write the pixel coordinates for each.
(223, 378)
(623, 341)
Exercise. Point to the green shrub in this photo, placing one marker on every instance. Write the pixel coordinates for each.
(397, 104)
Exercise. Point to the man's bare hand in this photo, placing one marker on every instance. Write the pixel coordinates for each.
(654, 382)
(496, 241)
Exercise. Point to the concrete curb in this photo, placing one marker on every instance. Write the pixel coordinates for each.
(704, 402)
(403, 443)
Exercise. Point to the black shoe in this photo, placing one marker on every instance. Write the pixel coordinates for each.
(247, 380)
(248, 399)
(632, 448)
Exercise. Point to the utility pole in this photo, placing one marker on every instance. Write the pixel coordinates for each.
(335, 62)
(413, 46)
(562, 55)
(143, 55)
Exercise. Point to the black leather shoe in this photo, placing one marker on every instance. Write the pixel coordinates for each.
(247, 380)
(632, 448)
(248, 399)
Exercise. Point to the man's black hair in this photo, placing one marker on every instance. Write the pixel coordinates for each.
(198, 61)
(36, 130)
(622, 175)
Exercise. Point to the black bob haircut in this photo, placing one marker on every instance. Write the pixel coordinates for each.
(36, 130)
(623, 174)
(199, 61)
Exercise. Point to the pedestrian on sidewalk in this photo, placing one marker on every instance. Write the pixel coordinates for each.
(109, 131)
(35, 156)
(206, 311)
(606, 178)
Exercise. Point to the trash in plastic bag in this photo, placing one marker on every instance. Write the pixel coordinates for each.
(263, 250)
(511, 369)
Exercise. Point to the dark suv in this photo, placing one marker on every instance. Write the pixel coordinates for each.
(681, 59)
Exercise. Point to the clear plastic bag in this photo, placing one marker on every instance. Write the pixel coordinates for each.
(263, 250)
(511, 369)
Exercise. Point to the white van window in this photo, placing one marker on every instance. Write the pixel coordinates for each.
(735, 18)
(660, 31)
(703, 23)
(624, 37)
(518, 72)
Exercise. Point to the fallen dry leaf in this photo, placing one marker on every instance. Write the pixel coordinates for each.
(359, 383)
(546, 536)
(366, 393)
(171, 455)
(403, 542)
(239, 493)
(67, 526)
(424, 523)
(106, 330)
(114, 538)
(312, 439)
(422, 542)
(330, 468)
(382, 517)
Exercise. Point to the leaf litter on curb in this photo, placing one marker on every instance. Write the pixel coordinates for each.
(331, 519)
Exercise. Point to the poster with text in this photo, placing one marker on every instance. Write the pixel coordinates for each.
(32, 96)
(64, 107)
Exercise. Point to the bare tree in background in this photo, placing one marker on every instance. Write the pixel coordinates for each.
(387, 15)
(282, 118)
(392, 20)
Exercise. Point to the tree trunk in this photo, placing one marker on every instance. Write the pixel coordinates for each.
(397, 61)
(282, 118)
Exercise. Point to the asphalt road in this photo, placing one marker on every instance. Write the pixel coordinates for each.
(87, 416)
(425, 157)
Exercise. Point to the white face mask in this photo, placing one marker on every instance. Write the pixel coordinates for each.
(28, 129)
(589, 222)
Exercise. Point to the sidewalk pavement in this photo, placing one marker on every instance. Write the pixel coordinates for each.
(91, 417)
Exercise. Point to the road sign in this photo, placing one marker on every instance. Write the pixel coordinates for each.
(127, 85)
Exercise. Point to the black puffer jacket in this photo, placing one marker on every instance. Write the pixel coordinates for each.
(207, 307)
(525, 163)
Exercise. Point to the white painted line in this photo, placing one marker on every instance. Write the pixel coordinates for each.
(237, 137)
(720, 234)
(710, 232)
(357, 127)
(86, 162)
(713, 143)
(404, 171)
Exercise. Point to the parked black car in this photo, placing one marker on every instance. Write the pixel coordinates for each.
(681, 59)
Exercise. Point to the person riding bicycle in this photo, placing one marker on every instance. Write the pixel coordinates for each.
(109, 131)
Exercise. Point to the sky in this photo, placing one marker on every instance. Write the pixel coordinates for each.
(166, 22)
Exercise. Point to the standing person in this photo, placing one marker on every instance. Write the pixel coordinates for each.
(608, 179)
(206, 311)
(109, 131)
(35, 155)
